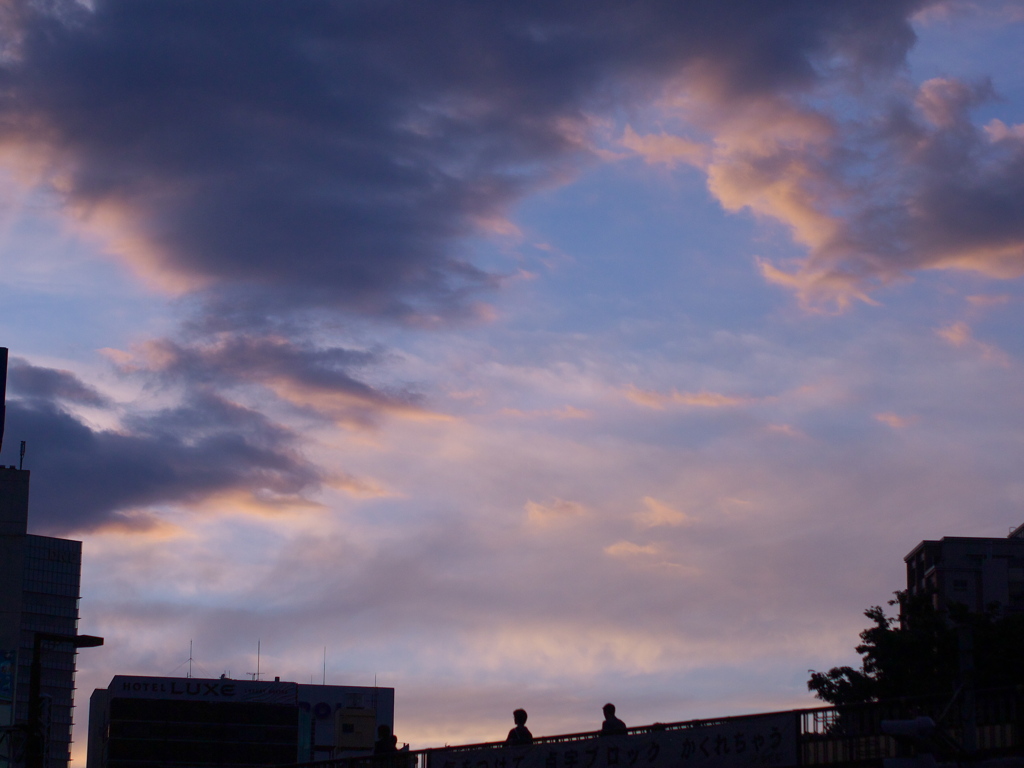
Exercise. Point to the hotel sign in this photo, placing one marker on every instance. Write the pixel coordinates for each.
(199, 689)
(759, 741)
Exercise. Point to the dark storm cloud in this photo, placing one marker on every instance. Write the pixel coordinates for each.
(254, 358)
(333, 153)
(277, 157)
(209, 444)
(47, 384)
(323, 378)
(84, 478)
(939, 192)
(966, 208)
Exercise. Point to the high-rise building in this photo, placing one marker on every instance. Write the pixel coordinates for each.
(39, 591)
(971, 571)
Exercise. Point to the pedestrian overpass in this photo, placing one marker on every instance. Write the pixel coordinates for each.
(980, 726)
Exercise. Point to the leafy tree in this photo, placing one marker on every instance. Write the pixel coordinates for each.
(927, 652)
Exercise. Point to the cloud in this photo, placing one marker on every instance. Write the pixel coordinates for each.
(558, 414)
(874, 183)
(450, 583)
(335, 155)
(984, 301)
(703, 399)
(211, 445)
(997, 131)
(945, 102)
(321, 379)
(959, 334)
(34, 382)
(556, 510)
(629, 549)
(664, 148)
(84, 478)
(894, 420)
(658, 513)
(282, 159)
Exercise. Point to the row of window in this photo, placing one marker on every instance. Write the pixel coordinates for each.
(48, 602)
(222, 732)
(68, 587)
(201, 753)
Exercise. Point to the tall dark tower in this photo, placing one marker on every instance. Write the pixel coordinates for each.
(13, 490)
(3, 392)
(39, 591)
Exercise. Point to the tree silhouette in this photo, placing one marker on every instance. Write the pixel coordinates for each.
(927, 652)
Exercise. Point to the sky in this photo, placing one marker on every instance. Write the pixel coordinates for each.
(510, 355)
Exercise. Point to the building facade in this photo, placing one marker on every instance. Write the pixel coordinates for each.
(974, 572)
(137, 722)
(39, 592)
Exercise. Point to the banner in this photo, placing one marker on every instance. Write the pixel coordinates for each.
(759, 741)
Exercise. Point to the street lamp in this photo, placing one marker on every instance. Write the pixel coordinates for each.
(35, 744)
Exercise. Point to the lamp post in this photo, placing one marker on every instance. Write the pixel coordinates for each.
(34, 747)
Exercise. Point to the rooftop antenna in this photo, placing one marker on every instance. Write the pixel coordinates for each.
(257, 673)
(325, 665)
(190, 658)
(21, 456)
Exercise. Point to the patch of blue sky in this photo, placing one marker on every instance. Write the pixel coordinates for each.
(976, 43)
(62, 297)
(644, 245)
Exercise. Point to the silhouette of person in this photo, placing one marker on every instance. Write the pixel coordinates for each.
(519, 736)
(386, 742)
(612, 726)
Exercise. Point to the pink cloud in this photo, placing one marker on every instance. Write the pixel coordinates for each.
(568, 412)
(702, 399)
(665, 148)
(905, 184)
(658, 513)
(894, 420)
(959, 334)
(984, 301)
(557, 510)
(629, 549)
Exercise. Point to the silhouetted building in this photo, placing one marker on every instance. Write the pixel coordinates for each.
(140, 722)
(975, 572)
(39, 585)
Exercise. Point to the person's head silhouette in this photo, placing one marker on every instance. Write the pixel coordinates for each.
(612, 726)
(519, 716)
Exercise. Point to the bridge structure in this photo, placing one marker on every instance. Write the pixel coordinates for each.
(985, 727)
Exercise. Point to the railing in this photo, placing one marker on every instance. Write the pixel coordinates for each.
(852, 735)
(831, 737)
